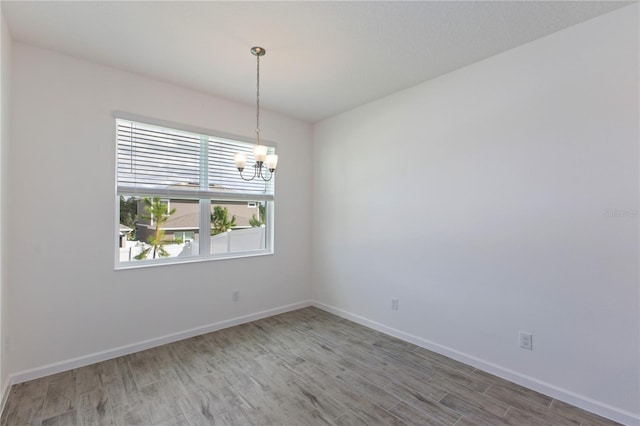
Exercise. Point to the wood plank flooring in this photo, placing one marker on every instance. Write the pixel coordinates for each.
(306, 367)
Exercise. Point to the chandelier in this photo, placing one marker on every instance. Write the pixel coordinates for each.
(264, 161)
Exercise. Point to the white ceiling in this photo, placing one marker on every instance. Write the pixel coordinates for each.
(322, 57)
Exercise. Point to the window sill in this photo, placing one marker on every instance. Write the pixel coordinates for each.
(195, 259)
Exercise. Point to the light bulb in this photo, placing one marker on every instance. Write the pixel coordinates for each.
(271, 161)
(240, 160)
(260, 152)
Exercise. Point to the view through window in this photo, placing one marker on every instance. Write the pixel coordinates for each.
(181, 198)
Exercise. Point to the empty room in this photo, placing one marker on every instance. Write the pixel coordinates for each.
(320, 213)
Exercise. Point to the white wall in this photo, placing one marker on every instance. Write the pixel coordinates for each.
(480, 199)
(66, 300)
(5, 72)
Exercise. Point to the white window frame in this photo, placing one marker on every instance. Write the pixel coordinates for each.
(206, 199)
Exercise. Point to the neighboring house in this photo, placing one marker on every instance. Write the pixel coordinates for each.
(124, 232)
(183, 224)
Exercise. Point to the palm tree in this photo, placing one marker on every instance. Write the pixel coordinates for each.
(129, 215)
(155, 210)
(220, 220)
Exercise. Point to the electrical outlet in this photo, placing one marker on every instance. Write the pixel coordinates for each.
(526, 340)
(394, 304)
(235, 295)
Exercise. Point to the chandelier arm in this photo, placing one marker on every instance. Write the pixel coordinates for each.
(249, 179)
(264, 175)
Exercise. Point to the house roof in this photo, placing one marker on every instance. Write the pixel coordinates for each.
(124, 228)
(185, 221)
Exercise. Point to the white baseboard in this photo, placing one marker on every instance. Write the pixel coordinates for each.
(588, 404)
(5, 394)
(81, 361)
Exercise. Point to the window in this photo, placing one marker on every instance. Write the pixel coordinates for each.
(184, 236)
(181, 197)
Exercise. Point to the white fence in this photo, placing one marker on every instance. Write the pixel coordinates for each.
(234, 241)
(238, 240)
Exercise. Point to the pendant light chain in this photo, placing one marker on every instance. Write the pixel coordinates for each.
(258, 100)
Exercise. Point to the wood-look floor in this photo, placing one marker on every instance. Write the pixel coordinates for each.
(305, 367)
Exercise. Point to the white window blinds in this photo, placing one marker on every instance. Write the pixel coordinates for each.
(154, 160)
